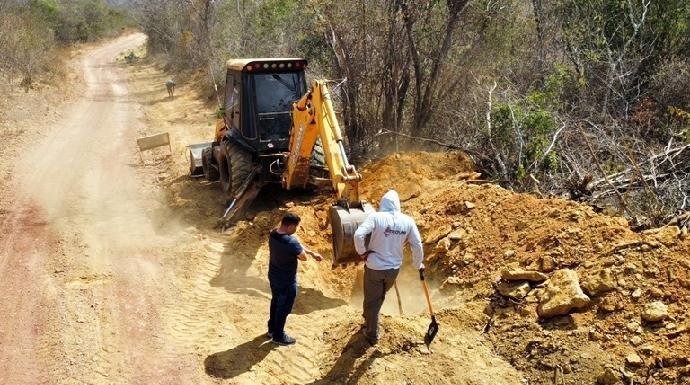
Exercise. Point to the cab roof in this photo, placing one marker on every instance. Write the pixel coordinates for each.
(239, 64)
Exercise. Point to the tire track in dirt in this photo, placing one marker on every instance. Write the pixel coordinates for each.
(22, 309)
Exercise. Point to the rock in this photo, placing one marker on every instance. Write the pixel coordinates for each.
(451, 283)
(443, 246)
(636, 341)
(457, 235)
(609, 376)
(633, 360)
(655, 292)
(648, 349)
(548, 263)
(469, 205)
(637, 293)
(654, 312)
(610, 304)
(622, 283)
(563, 294)
(468, 258)
(671, 275)
(509, 254)
(668, 235)
(599, 282)
(523, 275)
(633, 327)
(515, 289)
(436, 233)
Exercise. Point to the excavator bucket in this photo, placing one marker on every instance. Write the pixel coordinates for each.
(344, 223)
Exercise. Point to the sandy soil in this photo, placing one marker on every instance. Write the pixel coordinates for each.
(112, 273)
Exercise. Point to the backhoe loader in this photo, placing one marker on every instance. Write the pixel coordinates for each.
(273, 129)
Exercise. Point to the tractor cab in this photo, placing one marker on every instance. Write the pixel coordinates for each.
(258, 101)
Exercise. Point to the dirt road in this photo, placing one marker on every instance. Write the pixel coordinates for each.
(105, 280)
(81, 271)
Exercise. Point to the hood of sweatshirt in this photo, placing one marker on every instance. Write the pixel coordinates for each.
(390, 202)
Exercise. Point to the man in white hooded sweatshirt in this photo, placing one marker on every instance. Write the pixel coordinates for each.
(389, 229)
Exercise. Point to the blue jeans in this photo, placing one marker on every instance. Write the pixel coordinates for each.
(282, 298)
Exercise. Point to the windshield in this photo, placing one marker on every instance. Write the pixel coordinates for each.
(276, 92)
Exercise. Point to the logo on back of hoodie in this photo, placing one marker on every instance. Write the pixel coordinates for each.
(388, 232)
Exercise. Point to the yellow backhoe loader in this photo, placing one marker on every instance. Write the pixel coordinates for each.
(274, 129)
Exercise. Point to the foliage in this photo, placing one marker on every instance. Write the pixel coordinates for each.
(30, 31)
(26, 42)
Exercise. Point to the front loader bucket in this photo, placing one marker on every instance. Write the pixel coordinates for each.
(195, 161)
(344, 223)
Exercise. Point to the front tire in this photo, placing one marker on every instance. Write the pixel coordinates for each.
(234, 168)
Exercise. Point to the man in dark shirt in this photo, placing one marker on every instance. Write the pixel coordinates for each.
(284, 250)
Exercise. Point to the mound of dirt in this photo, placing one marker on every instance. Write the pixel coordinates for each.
(408, 173)
(473, 232)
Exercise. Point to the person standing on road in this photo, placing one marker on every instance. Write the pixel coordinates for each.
(284, 249)
(389, 229)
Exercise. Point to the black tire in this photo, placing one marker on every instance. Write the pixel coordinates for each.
(234, 168)
(210, 171)
(318, 159)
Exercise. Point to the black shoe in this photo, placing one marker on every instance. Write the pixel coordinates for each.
(371, 340)
(269, 335)
(287, 340)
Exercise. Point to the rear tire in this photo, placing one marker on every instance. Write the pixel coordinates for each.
(235, 167)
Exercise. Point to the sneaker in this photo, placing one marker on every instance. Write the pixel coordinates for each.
(287, 340)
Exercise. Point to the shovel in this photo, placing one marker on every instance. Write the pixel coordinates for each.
(433, 326)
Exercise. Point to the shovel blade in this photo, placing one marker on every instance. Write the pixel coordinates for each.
(431, 332)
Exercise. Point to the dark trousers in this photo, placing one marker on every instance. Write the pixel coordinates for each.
(282, 298)
(376, 284)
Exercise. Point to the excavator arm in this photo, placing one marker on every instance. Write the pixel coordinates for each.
(313, 117)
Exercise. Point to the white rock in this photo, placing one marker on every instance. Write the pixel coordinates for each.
(655, 311)
(563, 294)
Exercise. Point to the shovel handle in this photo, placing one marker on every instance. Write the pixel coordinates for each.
(428, 298)
(397, 294)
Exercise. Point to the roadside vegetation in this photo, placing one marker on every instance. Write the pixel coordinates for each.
(32, 32)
